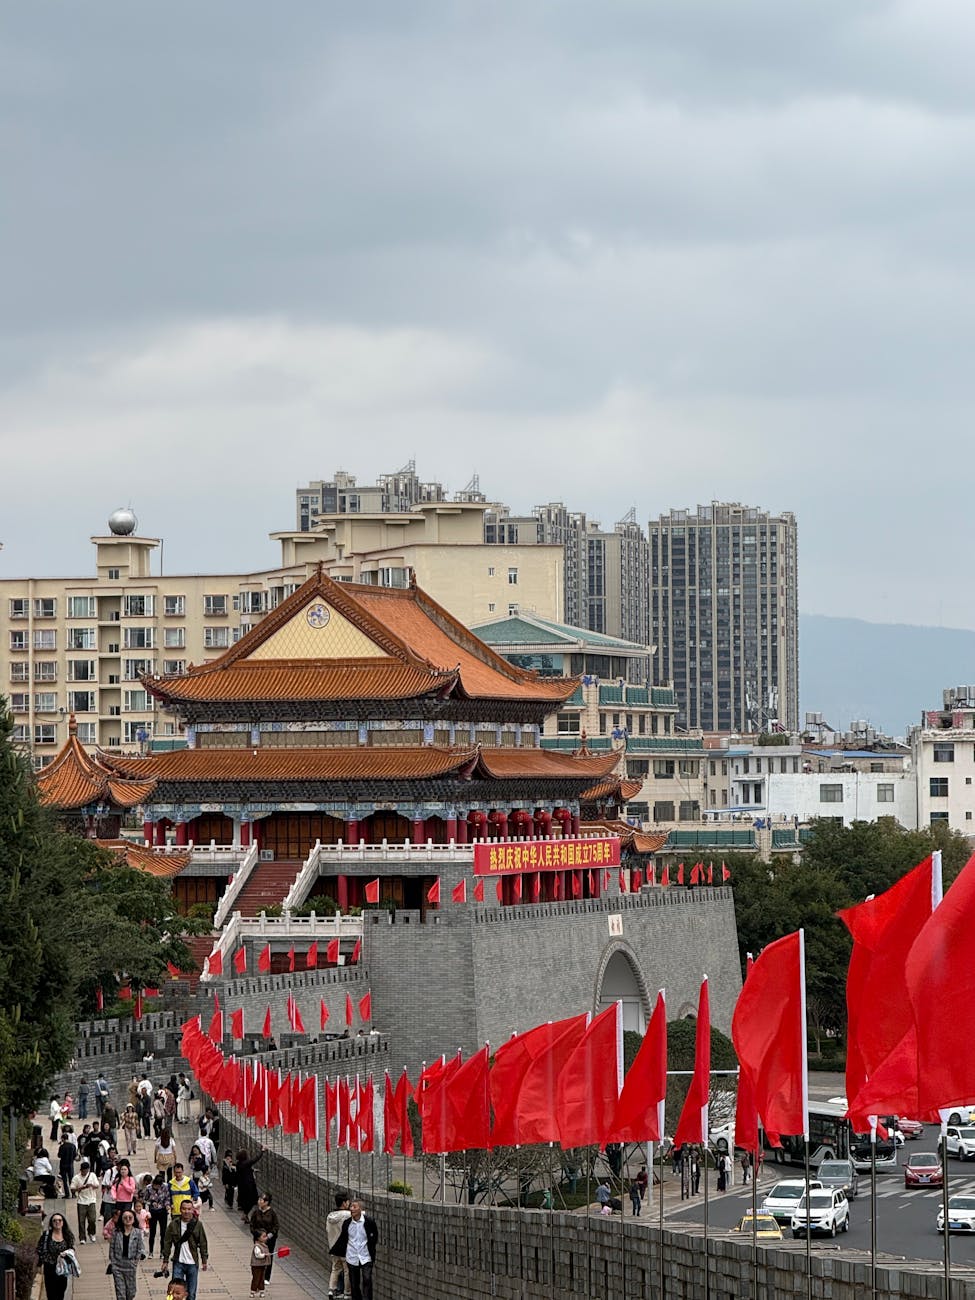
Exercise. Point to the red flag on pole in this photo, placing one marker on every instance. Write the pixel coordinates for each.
(404, 1090)
(710, 873)
(467, 1106)
(622, 881)
(768, 1029)
(640, 1113)
(588, 1086)
(173, 970)
(332, 952)
(665, 875)
(680, 874)
(479, 889)
(298, 1025)
(693, 1123)
(215, 962)
(266, 1031)
(240, 960)
(291, 958)
(215, 1031)
(391, 1120)
(365, 1116)
(323, 1014)
(365, 1007)
(372, 891)
(459, 892)
(349, 1015)
(576, 883)
(137, 1009)
(536, 886)
(311, 957)
(264, 959)
(433, 893)
(516, 887)
(536, 1119)
(499, 890)
(725, 874)
(237, 1024)
(592, 884)
(356, 952)
(99, 999)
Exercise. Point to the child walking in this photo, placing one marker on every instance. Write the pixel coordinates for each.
(260, 1258)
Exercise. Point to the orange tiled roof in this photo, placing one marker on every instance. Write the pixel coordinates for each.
(140, 858)
(515, 763)
(340, 764)
(415, 632)
(613, 787)
(630, 837)
(77, 778)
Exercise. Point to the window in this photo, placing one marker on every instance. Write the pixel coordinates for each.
(133, 669)
(253, 602)
(45, 733)
(490, 570)
(174, 606)
(134, 733)
(138, 606)
(81, 638)
(569, 724)
(513, 577)
(885, 792)
(139, 638)
(174, 638)
(45, 701)
(663, 768)
(113, 575)
(174, 666)
(135, 701)
(663, 811)
(81, 670)
(491, 607)
(45, 638)
(20, 672)
(45, 607)
(214, 605)
(512, 609)
(19, 702)
(938, 817)
(688, 767)
(689, 809)
(88, 733)
(18, 640)
(82, 702)
(20, 607)
(46, 671)
(944, 752)
(81, 607)
(215, 638)
(21, 733)
(938, 787)
(831, 793)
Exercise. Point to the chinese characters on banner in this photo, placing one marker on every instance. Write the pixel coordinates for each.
(497, 858)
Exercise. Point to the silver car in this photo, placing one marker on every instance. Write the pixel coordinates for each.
(841, 1174)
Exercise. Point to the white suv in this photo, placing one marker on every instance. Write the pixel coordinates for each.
(828, 1211)
(961, 1142)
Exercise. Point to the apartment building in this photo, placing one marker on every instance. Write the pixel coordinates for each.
(943, 753)
(725, 617)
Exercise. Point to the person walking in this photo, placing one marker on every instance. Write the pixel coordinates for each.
(84, 1187)
(53, 1243)
(130, 1127)
(123, 1186)
(357, 1244)
(55, 1114)
(263, 1218)
(181, 1188)
(184, 1095)
(260, 1262)
(157, 1203)
(695, 1172)
(333, 1227)
(125, 1252)
(746, 1166)
(110, 1121)
(164, 1153)
(186, 1241)
(636, 1197)
(83, 1099)
(228, 1176)
(67, 1154)
(101, 1094)
(246, 1182)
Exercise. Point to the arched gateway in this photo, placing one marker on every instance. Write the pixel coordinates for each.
(620, 978)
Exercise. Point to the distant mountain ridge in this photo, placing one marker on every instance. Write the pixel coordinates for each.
(888, 673)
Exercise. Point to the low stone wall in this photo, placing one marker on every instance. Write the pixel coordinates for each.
(457, 1252)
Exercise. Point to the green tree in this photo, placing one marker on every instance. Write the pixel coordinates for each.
(681, 1042)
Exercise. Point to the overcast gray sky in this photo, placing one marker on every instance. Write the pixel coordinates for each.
(620, 252)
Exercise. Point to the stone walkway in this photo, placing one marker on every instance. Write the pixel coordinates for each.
(294, 1278)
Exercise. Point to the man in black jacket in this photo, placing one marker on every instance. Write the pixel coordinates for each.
(357, 1246)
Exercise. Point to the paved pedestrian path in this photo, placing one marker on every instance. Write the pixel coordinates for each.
(294, 1278)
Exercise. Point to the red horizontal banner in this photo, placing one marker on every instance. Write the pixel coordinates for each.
(498, 858)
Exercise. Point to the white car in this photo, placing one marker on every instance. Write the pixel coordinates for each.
(961, 1214)
(781, 1200)
(962, 1115)
(961, 1142)
(827, 1211)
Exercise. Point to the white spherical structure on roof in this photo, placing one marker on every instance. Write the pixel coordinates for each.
(123, 522)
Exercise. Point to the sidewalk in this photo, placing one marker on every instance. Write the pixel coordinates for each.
(294, 1278)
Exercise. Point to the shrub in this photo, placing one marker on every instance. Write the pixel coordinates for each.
(25, 1268)
(400, 1188)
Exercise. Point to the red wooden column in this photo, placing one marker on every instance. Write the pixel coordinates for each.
(257, 834)
(419, 835)
(452, 829)
(181, 836)
(245, 835)
(461, 825)
(148, 833)
(161, 834)
(352, 832)
(342, 891)
(575, 825)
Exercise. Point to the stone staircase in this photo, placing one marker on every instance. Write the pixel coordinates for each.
(267, 885)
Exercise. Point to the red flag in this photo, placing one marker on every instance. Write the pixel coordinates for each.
(99, 999)
(680, 874)
(536, 886)
(240, 961)
(391, 1117)
(513, 1062)
(283, 1252)
(365, 1007)
(498, 889)
(746, 1107)
(640, 1114)
(592, 885)
(349, 1016)
(433, 893)
(365, 1116)
(137, 1009)
(588, 1087)
(237, 1024)
(607, 877)
(299, 1024)
(459, 892)
(479, 889)
(516, 888)
(311, 957)
(467, 1105)
(884, 930)
(372, 891)
(665, 875)
(576, 884)
(433, 1116)
(356, 952)
(308, 1109)
(264, 959)
(404, 1090)
(710, 873)
(173, 970)
(285, 1094)
(215, 962)
(768, 1029)
(331, 1111)
(332, 952)
(291, 958)
(557, 886)
(323, 1014)
(693, 1123)
(622, 881)
(695, 874)
(266, 1031)
(342, 1113)
(725, 873)
(215, 1031)
(941, 985)
(152, 992)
